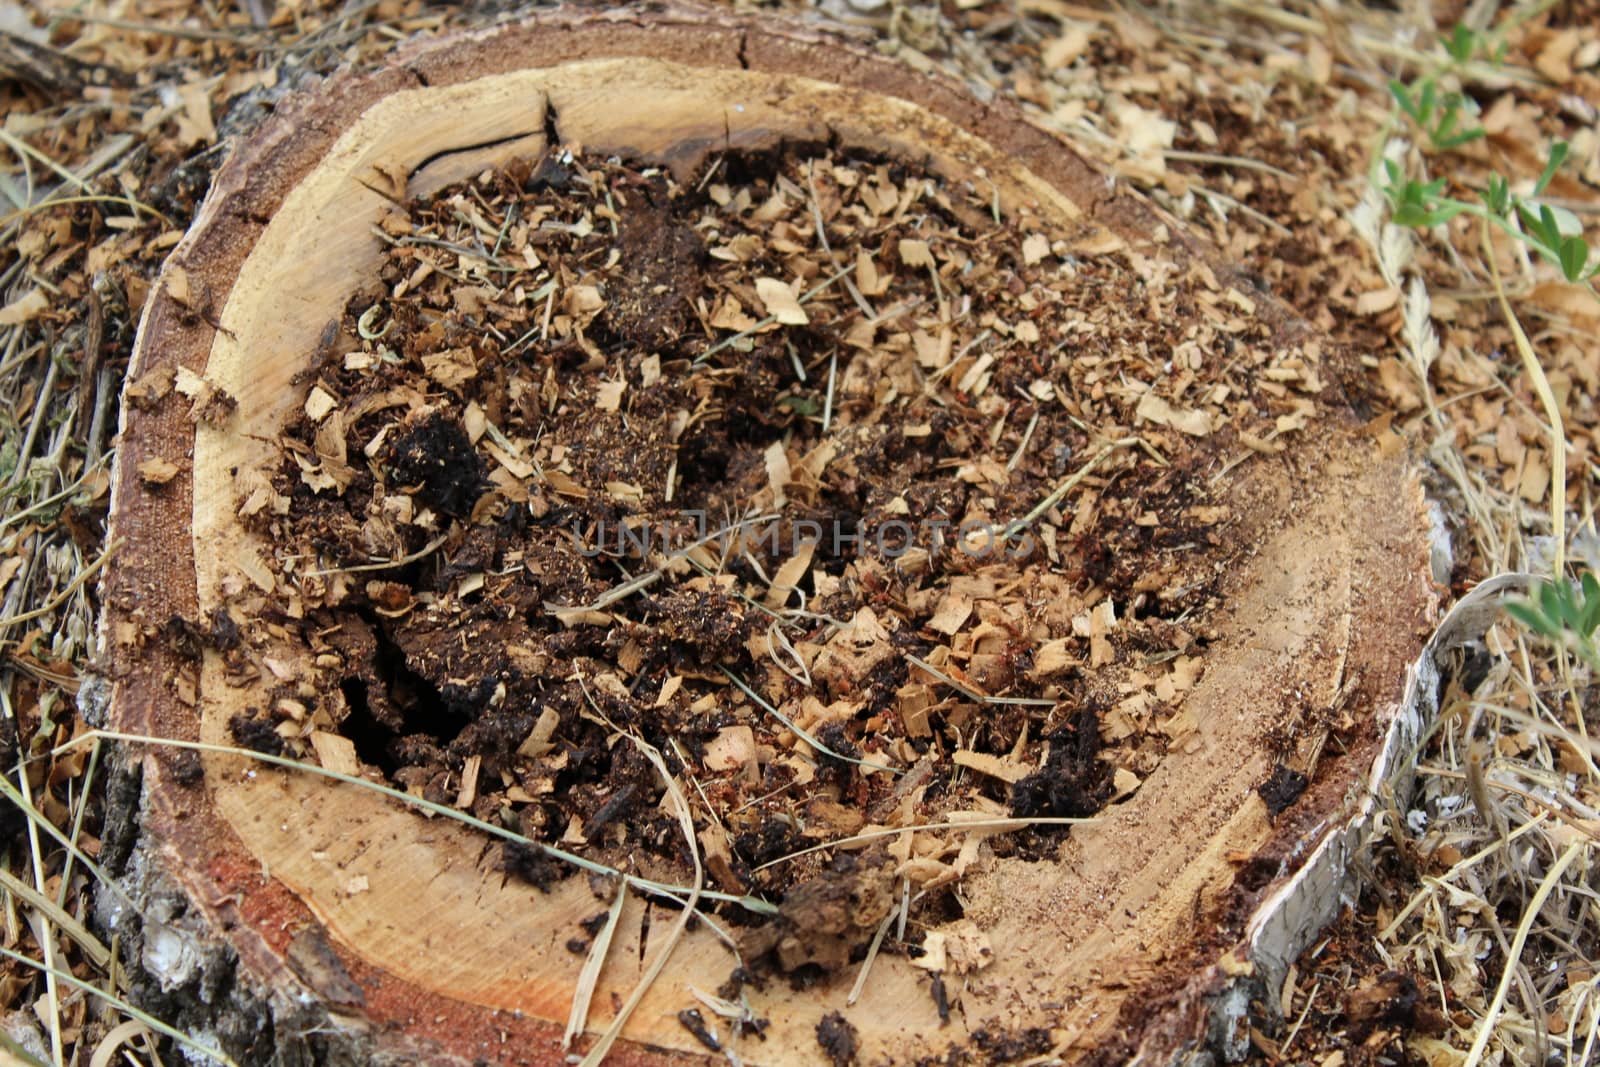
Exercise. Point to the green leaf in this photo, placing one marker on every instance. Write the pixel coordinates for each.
(1541, 226)
(1446, 124)
(1497, 198)
(1571, 606)
(1420, 204)
(1571, 609)
(1550, 603)
(1402, 98)
(1461, 43)
(1552, 226)
(1426, 102)
(1457, 140)
(1591, 608)
(1441, 212)
(1411, 215)
(1528, 616)
(1573, 255)
(1558, 155)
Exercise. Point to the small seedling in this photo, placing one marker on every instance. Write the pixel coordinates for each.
(1567, 613)
(1438, 114)
(1551, 232)
(1548, 231)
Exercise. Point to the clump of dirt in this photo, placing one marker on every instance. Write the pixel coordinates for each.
(865, 505)
(431, 457)
(838, 1038)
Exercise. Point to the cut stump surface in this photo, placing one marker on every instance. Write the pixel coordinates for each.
(401, 927)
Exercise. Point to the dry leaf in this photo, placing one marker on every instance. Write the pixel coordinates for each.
(730, 315)
(952, 613)
(993, 766)
(1098, 242)
(516, 465)
(789, 574)
(1102, 621)
(1319, 61)
(256, 570)
(1554, 60)
(538, 743)
(1052, 657)
(1377, 301)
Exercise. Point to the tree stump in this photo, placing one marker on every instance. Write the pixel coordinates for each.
(299, 917)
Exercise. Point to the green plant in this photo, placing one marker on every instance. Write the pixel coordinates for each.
(1423, 203)
(1560, 611)
(1567, 613)
(1434, 113)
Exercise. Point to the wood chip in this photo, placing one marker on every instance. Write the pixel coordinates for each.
(318, 403)
(335, 752)
(452, 368)
(781, 302)
(993, 766)
(953, 611)
(914, 253)
(732, 748)
(158, 471)
(788, 576)
(608, 396)
(1154, 409)
(25, 308)
(539, 743)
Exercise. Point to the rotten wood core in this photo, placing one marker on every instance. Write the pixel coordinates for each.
(873, 390)
(408, 448)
